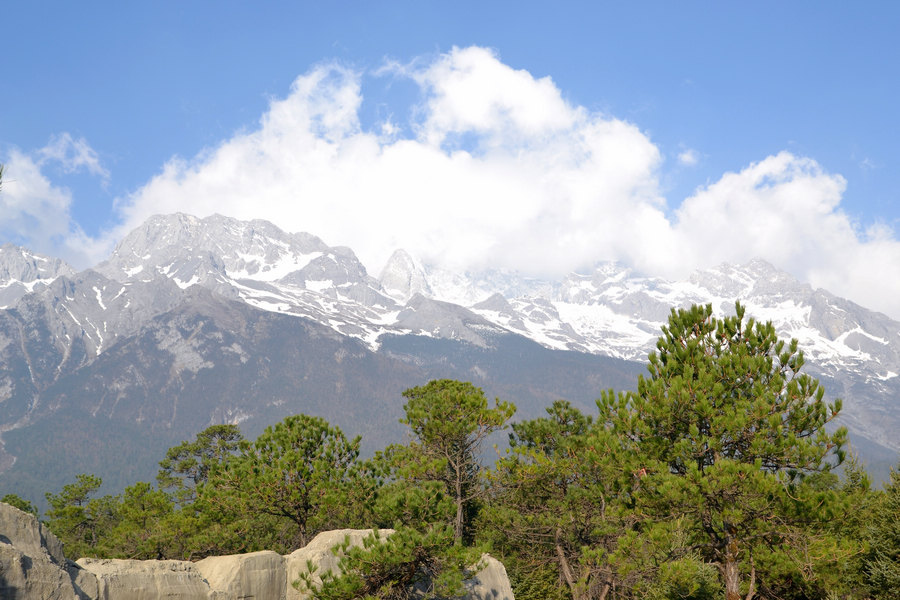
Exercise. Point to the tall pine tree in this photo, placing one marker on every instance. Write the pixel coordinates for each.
(729, 428)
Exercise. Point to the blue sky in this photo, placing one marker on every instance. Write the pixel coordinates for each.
(535, 136)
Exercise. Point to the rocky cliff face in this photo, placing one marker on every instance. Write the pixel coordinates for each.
(23, 272)
(33, 567)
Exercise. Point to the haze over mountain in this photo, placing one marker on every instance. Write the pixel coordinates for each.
(192, 322)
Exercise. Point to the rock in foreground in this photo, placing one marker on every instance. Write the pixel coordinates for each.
(33, 567)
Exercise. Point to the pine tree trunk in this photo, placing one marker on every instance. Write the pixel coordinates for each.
(458, 524)
(731, 572)
(578, 593)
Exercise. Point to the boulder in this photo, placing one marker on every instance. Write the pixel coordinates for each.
(490, 582)
(318, 554)
(120, 579)
(253, 576)
(22, 576)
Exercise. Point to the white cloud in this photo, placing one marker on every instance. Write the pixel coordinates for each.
(786, 210)
(72, 155)
(36, 213)
(499, 170)
(689, 157)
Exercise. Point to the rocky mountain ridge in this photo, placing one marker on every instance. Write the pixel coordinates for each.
(611, 311)
(184, 303)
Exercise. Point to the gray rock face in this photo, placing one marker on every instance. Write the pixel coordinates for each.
(23, 271)
(22, 576)
(28, 535)
(259, 575)
(32, 565)
(402, 277)
(445, 320)
(490, 582)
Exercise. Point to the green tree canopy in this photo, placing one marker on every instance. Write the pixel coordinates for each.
(432, 485)
(20, 503)
(555, 499)
(298, 472)
(449, 421)
(729, 428)
(144, 528)
(882, 566)
(80, 520)
(187, 465)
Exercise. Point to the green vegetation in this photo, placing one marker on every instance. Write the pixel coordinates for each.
(716, 478)
(187, 465)
(729, 432)
(449, 421)
(20, 503)
(295, 476)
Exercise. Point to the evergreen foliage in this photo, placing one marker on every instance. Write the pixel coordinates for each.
(559, 499)
(882, 565)
(81, 521)
(298, 472)
(187, 465)
(729, 429)
(430, 498)
(409, 563)
(449, 420)
(20, 503)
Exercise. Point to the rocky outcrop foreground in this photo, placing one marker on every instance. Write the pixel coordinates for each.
(33, 567)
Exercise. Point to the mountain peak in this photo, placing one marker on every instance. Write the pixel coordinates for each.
(403, 277)
(21, 270)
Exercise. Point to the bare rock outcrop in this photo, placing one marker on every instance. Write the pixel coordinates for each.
(33, 567)
(121, 579)
(22, 531)
(32, 564)
(252, 576)
(490, 582)
(318, 554)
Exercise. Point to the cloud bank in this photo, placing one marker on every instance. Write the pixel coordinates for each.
(493, 167)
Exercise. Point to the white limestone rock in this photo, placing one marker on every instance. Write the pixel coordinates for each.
(490, 582)
(253, 576)
(119, 579)
(318, 554)
(32, 564)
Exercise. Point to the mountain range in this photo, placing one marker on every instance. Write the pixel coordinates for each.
(192, 322)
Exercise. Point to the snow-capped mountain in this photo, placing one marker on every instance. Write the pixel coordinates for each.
(611, 311)
(22, 271)
(183, 304)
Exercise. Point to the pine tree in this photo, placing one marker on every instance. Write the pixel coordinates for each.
(883, 559)
(729, 428)
(293, 479)
(81, 521)
(449, 421)
(187, 465)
